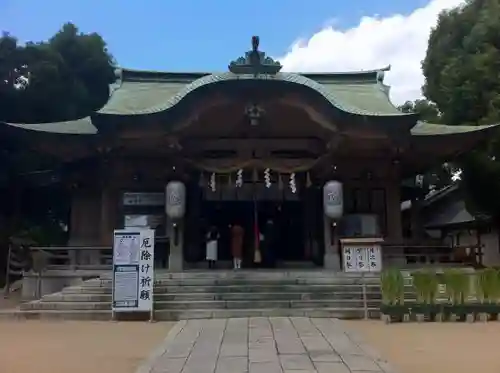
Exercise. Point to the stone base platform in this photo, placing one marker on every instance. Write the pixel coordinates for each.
(264, 345)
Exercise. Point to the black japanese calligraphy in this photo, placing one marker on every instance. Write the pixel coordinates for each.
(146, 244)
(145, 268)
(145, 255)
(145, 294)
(145, 281)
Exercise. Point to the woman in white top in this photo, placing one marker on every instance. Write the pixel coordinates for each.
(212, 247)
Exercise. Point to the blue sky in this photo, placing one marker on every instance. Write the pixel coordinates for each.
(190, 35)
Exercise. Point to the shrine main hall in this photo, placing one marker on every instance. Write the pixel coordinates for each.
(246, 146)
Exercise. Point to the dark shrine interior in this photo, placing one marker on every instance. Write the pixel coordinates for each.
(288, 226)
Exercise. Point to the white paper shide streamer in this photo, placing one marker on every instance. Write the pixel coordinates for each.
(292, 183)
(212, 183)
(267, 177)
(239, 178)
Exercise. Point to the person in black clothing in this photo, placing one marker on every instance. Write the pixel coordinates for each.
(268, 257)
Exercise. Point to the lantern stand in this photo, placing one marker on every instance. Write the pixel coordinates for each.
(175, 208)
(333, 211)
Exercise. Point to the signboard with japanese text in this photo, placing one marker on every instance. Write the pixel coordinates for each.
(143, 199)
(349, 259)
(375, 258)
(362, 258)
(133, 270)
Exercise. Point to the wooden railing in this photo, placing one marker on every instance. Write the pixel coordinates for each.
(77, 257)
(18, 261)
(428, 255)
(22, 258)
(71, 257)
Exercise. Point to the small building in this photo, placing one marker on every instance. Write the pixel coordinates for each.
(250, 144)
(443, 215)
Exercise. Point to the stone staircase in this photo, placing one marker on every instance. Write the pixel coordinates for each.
(217, 294)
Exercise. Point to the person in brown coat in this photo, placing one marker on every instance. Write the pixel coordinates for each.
(237, 233)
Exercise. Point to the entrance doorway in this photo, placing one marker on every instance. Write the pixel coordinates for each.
(288, 229)
(222, 215)
(288, 226)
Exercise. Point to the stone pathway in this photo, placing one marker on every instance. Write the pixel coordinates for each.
(264, 345)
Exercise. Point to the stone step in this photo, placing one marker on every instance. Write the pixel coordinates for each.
(262, 304)
(254, 274)
(64, 306)
(212, 304)
(215, 294)
(174, 315)
(85, 297)
(231, 288)
(247, 281)
(93, 315)
(341, 313)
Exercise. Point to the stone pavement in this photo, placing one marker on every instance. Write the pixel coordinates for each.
(264, 345)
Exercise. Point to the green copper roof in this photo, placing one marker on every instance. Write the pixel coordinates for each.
(430, 129)
(81, 126)
(353, 93)
(147, 92)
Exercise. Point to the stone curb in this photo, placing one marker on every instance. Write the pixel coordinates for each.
(148, 364)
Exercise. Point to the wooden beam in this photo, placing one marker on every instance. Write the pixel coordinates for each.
(200, 144)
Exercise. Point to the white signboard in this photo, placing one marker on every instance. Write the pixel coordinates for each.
(133, 270)
(143, 199)
(349, 259)
(362, 258)
(375, 258)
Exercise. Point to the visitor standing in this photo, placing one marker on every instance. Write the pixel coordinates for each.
(237, 233)
(267, 247)
(212, 246)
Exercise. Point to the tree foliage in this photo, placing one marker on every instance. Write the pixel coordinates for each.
(462, 77)
(63, 78)
(428, 111)
(440, 176)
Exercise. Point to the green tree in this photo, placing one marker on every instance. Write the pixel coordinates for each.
(440, 176)
(64, 78)
(462, 78)
(428, 111)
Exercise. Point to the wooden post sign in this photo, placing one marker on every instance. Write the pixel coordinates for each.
(133, 270)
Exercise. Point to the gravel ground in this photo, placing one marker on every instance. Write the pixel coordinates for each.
(435, 347)
(77, 347)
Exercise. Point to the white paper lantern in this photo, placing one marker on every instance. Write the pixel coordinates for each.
(333, 200)
(175, 205)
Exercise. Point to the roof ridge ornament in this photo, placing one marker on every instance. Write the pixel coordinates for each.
(255, 62)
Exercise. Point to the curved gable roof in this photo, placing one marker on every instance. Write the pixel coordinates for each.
(145, 92)
(142, 93)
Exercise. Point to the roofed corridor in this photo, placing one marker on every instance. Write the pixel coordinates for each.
(264, 345)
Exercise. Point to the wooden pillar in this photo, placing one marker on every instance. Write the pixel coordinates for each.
(107, 216)
(393, 207)
(108, 207)
(176, 254)
(416, 219)
(331, 258)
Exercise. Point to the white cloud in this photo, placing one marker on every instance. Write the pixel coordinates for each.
(398, 40)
